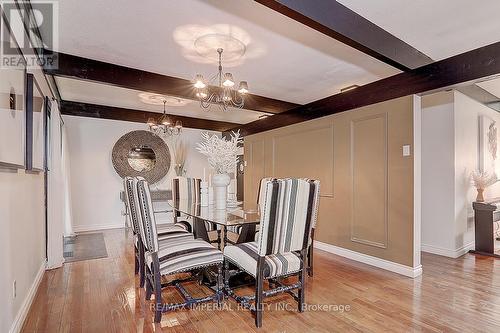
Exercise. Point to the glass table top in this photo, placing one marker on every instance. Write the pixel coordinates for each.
(227, 217)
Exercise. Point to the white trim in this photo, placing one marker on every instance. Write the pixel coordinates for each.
(417, 180)
(25, 306)
(448, 252)
(95, 227)
(370, 260)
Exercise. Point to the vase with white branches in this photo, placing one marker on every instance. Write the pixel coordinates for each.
(180, 155)
(222, 155)
(482, 180)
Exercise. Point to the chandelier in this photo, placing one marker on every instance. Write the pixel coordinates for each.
(224, 94)
(164, 127)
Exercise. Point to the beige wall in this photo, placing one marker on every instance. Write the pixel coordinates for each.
(366, 182)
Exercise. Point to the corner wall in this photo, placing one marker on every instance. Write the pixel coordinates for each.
(367, 185)
(450, 132)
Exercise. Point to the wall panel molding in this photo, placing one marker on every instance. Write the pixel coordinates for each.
(325, 134)
(369, 172)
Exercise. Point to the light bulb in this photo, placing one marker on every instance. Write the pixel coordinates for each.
(228, 80)
(198, 82)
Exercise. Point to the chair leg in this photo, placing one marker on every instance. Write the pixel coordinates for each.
(136, 263)
(302, 281)
(142, 264)
(218, 239)
(310, 255)
(259, 286)
(226, 274)
(149, 289)
(220, 285)
(310, 260)
(157, 288)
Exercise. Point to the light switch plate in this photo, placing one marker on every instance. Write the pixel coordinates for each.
(406, 150)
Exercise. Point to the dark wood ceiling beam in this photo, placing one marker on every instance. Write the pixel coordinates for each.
(110, 112)
(71, 66)
(339, 22)
(469, 66)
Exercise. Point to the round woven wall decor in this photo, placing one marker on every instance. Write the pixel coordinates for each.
(135, 139)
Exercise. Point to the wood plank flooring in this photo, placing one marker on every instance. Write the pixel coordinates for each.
(102, 295)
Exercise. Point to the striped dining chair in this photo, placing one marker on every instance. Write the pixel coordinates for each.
(184, 188)
(165, 231)
(177, 255)
(289, 209)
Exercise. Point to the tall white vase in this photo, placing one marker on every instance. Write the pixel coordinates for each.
(220, 183)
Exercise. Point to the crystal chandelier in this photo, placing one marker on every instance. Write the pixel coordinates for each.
(224, 95)
(164, 127)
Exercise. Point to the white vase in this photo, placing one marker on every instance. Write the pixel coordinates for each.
(220, 183)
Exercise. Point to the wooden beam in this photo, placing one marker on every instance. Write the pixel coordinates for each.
(67, 65)
(339, 22)
(115, 113)
(468, 66)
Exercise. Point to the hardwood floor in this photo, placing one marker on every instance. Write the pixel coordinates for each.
(102, 295)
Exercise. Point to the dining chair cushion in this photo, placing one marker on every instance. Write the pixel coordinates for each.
(245, 256)
(184, 254)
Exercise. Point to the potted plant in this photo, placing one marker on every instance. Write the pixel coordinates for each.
(222, 155)
(482, 180)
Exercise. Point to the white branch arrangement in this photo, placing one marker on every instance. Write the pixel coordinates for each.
(180, 156)
(222, 154)
(482, 180)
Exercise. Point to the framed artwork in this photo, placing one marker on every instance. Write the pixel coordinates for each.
(488, 150)
(36, 125)
(12, 106)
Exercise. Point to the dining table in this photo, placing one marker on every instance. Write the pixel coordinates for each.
(245, 219)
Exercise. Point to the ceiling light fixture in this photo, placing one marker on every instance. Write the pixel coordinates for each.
(351, 87)
(164, 127)
(220, 89)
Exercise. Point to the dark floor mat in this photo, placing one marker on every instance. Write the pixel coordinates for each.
(84, 247)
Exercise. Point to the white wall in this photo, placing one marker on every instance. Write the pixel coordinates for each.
(438, 176)
(22, 239)
(450, 126)
(95, 186)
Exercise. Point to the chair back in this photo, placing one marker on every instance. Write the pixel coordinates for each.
(186, 189)
(128, 184)
(260, 194)
(289, 210)
(147, 226)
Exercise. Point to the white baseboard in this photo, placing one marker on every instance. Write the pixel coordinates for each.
(95, 227)
(25, 306)
(448, 252)
(370, 260)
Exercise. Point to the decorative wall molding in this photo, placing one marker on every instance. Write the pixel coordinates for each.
(370, 260)
(325, 191)
(25, 306)
(354, 210)
(440, 251)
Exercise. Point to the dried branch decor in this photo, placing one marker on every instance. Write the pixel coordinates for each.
(180, 156)
(481, 181)
(222, 154)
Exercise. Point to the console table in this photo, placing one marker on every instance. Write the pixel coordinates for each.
(485, 215)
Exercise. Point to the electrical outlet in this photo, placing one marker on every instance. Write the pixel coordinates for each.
(14, 289)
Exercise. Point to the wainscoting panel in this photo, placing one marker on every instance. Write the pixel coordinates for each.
(254, 170)
(369, 180)
(306, 153)
(366, 191)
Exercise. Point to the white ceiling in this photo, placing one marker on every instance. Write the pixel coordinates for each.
(102, 94)
(438, 28)
(284, 60)
(491, 86)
